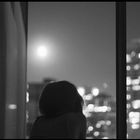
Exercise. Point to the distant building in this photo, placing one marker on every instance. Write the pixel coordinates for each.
(133, 90)
(100, 111)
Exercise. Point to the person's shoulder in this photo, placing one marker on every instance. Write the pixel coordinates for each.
(76, 116)
(76, 125)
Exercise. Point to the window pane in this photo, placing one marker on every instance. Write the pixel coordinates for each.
(75, 41)
(133, 70)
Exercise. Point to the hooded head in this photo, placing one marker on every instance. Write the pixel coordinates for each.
(58, 98)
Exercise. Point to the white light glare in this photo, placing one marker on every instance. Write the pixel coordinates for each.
(102, 109)
(127, 136)
(136, 67)
(128, 81)
(90, 107)
(90, 128)
(128, 68)
(135, 126)
(27, 97)
(136, 87)
(128, 96)
(134, 117)
(135, 82)
(136, 104)
(27, 116)
(86, 113)
(139, 55)
(128, 106)
(133, 53)
(108, 122)
(98, 125)
(95, 91)
(96, 133)
(88, 97)
(105, 138)
(12, 106)
(128, 58)
(102, 122)
(81, 91)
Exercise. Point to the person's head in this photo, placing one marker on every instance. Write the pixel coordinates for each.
(58, 98)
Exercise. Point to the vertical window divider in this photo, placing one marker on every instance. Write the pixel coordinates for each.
(121, 69)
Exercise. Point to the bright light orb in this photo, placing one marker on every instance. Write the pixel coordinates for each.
(42, 51)
(95, 91)
(81, 91)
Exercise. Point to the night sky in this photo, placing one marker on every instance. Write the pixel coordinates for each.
(80, 38)
(133, 22)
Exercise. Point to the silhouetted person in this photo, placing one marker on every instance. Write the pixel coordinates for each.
(61, 107)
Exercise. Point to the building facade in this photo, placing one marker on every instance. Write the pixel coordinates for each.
(133, 90)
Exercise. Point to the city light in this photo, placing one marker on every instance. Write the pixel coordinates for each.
(133, 53)
(81, 91)
(27, 116)
(95, 91)
(139, 55)
(128, 106)
(109, 109)
(135, 126)
(128, 58)
(88, 97)
(108, 122)
(128, 88)
(128, 68)
(90, 128)
(134, 117)
(128, 96)
(96, 133)
(128, 81)
(136, 104)
(86, 113)
(136, 87)
(100, 109)
(12, 106)
(127, 136)
(27, 97)
(135, 82)
(133, 114)
(98, 125)
(90, 107)
(136, 66)
(102, 122)
(105, 138)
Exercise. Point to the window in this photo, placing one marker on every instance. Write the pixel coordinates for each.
(75, 41)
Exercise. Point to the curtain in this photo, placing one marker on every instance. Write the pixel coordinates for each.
(13, 69)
